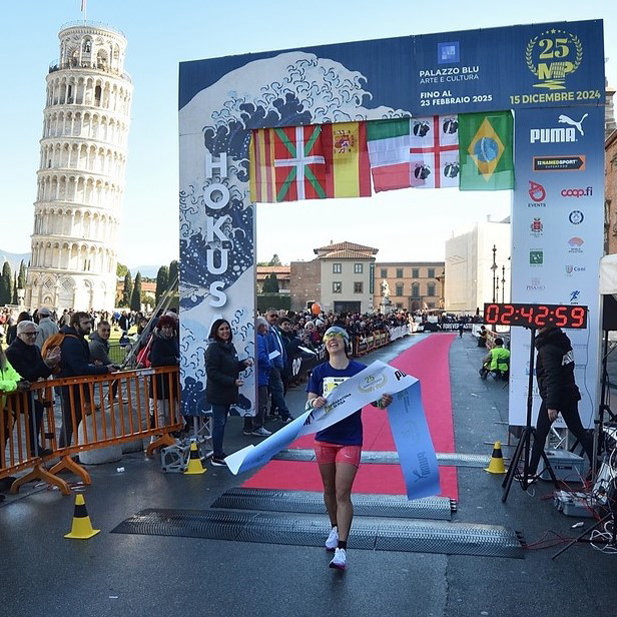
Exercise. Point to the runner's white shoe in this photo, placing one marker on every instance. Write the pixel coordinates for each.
(332, 541)
(339, 561)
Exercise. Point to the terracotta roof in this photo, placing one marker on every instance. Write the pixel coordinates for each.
(275, 269)
(346, 255)
(346, 246)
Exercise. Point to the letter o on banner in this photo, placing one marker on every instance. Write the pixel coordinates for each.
(315, 308)
(216, 196)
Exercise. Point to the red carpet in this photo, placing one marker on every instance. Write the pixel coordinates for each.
(426, 360)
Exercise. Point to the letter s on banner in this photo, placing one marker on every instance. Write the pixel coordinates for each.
(217, 296)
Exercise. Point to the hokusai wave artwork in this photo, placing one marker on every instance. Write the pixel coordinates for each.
(217, 243)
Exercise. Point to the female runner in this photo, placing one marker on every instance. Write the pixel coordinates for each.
(338, 448)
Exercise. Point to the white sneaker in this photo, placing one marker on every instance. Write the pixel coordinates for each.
(332, 541)
(339, 561)
(261, 432)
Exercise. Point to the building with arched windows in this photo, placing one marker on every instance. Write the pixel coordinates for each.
(81, 172)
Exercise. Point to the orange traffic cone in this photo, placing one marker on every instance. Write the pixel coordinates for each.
(82, 527)
(194, 467)
(496, 464)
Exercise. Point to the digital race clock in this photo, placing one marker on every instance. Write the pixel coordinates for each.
(536, 315)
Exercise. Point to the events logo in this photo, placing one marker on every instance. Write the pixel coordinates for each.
(586, 192)
(575, 243)
(536, 227)
(559, 134)
(537, 194)
(535, 285)
(576, 217)
(553, 55)
(536, 257)
(574, 294)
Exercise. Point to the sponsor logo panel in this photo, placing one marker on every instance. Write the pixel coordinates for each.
(537, 227)
(575, 162)
(537, 194)
(535, 284)
(552, 56)
(570, 132)
(575, 243)
(576, 217)
(572, 269)
(578, 193)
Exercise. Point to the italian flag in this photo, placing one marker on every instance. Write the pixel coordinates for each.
(389, 144)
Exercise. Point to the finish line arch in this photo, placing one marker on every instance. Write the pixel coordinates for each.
(550, 75)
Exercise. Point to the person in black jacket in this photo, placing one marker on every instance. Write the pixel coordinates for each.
(75, 361)
(163, 388)
(558, 390)
(222, 382)
(11, 333)
(26, 359)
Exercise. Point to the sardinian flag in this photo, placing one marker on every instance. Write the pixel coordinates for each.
(434, 152)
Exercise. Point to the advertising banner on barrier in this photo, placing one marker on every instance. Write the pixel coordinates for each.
(557, 237)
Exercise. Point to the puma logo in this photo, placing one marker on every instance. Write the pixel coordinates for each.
(563, 119)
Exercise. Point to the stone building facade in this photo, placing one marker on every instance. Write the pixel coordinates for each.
(341, 279)
(478, 266)
(80, 181)
(412, 285)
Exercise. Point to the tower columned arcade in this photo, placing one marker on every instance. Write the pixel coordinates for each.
(80, 181)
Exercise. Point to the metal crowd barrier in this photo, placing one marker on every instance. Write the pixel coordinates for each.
(105, 410)
(364, 344)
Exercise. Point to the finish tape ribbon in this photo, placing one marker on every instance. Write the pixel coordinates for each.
(406, 416)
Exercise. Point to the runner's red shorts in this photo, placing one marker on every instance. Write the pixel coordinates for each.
(336, 453)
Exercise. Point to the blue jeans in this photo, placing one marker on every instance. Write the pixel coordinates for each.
(276, 390)
(219, 420)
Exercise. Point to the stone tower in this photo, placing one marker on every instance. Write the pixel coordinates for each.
(81, 172)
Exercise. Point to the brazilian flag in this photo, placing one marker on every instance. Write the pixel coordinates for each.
(485, 145)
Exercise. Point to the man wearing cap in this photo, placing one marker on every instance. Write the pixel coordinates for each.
(47, 327)
(26, 359)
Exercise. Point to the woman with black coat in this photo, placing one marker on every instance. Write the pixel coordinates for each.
(558, 390)
(222, 382)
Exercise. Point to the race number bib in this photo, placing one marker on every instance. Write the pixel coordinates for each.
(329, 383)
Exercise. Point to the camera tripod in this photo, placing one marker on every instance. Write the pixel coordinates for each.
(523, 448)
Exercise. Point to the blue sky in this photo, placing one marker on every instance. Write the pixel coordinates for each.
(161, 34)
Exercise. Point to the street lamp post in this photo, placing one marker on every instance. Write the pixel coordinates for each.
(494, 269)
(503, 284)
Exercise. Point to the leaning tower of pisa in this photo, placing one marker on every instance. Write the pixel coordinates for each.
(81, 172)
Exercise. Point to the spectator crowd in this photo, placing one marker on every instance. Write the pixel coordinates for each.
(46, 344)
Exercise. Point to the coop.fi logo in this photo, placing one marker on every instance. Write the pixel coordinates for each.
(553, 55)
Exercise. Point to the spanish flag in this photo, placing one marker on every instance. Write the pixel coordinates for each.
(309, 162)
(349, 171)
